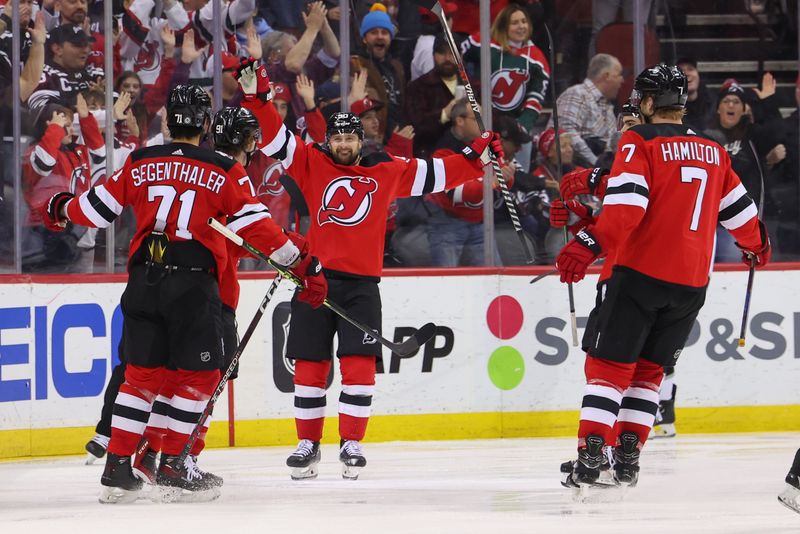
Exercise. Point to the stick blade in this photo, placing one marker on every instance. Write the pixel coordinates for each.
(420, 337)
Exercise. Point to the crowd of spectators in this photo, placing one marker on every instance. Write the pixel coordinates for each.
(405, 88)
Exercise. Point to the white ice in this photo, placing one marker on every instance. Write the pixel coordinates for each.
(701, 483)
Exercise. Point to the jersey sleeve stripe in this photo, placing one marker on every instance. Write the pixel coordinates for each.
(94, 209)
(236, 224)
(41, 167)
(439, 174)
(626, 199)
(105, 197)
(627, 178)
(420, 185)
(740, 219)
(250, 208)
(734, 195)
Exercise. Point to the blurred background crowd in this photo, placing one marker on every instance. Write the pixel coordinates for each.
(740, 57)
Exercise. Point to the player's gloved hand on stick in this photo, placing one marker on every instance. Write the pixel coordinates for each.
(480, 146)
(254, 80)
(571, 212)
(309, 270)
(584, 182)
(577, 256)
(52, 212)
(762, 254)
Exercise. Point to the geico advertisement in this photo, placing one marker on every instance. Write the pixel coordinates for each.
(500, 344)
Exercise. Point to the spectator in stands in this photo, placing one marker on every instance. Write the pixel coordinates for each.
(76, 12)
(424, 49)
(31, 50)
(520, 71)
(55, 162)
(385, 75)
(286, 57)
(586, 110)
(430, 99)
(455, 226)
(66, 72)
(752, 147)
(700, 104)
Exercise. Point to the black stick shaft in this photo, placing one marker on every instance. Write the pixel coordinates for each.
(498, 174)
(229, 371)
(750, 277)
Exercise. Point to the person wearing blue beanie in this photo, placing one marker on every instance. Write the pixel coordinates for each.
(376, 19)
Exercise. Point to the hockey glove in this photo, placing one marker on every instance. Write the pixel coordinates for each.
(763, 254)
(254, 80)
(309, 270)
(577, 256)
(572, 213)
(53, 212)
(584, 182)
(480, 146)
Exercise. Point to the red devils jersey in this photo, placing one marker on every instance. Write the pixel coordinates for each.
(265, 173)
(349, 204)
(175, 189)
(667, 190)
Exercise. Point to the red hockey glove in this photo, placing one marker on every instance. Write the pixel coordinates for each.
(478, 148)
(254, 80)
(577, 256)
(572, 213)
(584, 182)
(52, 212)
(309, 271)
(763, 254)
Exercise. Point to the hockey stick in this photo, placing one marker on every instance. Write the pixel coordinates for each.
(752, 274)
(229, 371)
(462, 73)
(559, 170)
(543, 275)
(406, 348)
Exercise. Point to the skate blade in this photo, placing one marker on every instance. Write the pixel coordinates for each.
(109, 495)
(90, 458)
(789, 498)
(663, 431)
(167, 494)
(599, 493)
(305, 473)
(350, 472)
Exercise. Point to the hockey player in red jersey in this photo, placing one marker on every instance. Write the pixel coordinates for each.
(348, 196)
(667, 189)
(172, 311)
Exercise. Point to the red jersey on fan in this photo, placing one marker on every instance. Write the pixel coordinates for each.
(265, 173)
(348, 203)
(688, 178)
(175, 189)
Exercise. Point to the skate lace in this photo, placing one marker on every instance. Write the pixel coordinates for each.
(192, 471)
(353, 448)
(304, 448)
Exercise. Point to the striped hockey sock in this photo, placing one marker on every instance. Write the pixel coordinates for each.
(640, 401)
(310, 379)
(132, 408)
(192, 391)
(355, 401)
(605, 382)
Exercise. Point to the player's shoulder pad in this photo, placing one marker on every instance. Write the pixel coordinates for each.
(184, 150)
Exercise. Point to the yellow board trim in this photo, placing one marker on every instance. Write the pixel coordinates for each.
(62, 441)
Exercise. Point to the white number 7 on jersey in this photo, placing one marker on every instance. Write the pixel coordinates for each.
(689, 174)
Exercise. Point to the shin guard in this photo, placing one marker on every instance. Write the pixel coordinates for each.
(640, 400)
(355, 401)
(310, 379)
(132, 407)
(192, 391)
(605, 382)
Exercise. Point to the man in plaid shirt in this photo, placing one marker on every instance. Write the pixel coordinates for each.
(587, 110)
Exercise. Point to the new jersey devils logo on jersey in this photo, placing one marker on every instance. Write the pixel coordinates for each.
(347, 200)
(148, 58)
(271, 183)
(508, 88)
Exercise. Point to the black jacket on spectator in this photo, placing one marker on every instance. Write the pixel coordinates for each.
(784, 190)
(60, 86)
(387, 78)
(699, 114)
(425, 98)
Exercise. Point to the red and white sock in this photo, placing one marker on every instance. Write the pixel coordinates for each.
(605, 382)
(310, 379)
(640, 401)
(192, 391)
(158, 422)
(355, 400)
(132, 407)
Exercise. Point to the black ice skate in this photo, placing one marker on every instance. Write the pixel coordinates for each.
(304, 460)
(144, 465)
(352, 457)
(605, 478)
(665, 418)
(586, 469)
(185, 482)
(626, 459)
(119, 483)
(96, 447)
(790, 496)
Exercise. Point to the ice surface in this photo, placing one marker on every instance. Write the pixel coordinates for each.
(709, 484)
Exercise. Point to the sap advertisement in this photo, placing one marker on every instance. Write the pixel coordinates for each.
(501, 344)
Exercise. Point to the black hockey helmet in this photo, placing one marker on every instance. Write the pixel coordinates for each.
(344, 122)
(233, 126)
(188, 106)
(666, 84)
